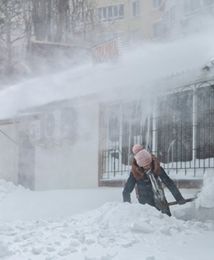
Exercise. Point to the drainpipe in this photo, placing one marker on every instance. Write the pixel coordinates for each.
(154, 130)
(148, 133)
(194, 127)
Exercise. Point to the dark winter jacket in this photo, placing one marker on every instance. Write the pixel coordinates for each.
(144, 188)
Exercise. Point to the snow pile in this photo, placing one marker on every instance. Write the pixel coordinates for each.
(125, 217)
(7, 188)
(206, 196)
(202, 208)
(99, 234)
(4, 252)
(107, 231)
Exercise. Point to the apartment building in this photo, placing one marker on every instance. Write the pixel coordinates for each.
(127, 19)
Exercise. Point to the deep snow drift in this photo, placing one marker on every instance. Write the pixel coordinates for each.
(203, 207)
(206, 197)
(94, 224)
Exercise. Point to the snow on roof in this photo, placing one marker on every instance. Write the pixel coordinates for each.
(131, 76)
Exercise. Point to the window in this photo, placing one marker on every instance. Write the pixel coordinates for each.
(191, 5)
(115, 13)
(104, 13)
(175, 128)
(157, 3)
(157, 30)
(136, 8)
(99, 13)
(208, 2)
(195, 4)
(121, 11)
(111, 12)
(205, 123)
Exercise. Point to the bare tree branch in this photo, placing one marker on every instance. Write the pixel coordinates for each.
(17, 39)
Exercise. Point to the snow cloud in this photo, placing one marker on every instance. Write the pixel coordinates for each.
(131, 76)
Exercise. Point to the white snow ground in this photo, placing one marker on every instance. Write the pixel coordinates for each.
(93, 224)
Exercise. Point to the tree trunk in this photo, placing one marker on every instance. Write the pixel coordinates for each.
(63, 11)
(8, 41)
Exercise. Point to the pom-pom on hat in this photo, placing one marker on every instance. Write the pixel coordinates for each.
(143, 158)
(136, 148)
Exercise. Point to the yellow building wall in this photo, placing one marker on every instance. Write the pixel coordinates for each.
(136, 26)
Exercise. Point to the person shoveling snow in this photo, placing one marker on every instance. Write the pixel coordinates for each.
(147, 175)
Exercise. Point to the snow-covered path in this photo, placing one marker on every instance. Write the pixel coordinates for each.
(95, 225)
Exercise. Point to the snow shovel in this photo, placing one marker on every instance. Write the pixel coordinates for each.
(159, 195)
(186, 200)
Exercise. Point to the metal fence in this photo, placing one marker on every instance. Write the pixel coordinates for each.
(185, 130)
(180, 131)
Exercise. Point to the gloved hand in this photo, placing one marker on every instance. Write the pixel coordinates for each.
(181, 201)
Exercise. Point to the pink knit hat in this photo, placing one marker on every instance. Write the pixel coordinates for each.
(136, 148)
(143, 158)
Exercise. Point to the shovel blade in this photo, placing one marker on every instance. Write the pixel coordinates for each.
(186, 200)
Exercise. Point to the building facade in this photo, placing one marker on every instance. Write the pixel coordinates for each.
(54, 146)
(129, 20)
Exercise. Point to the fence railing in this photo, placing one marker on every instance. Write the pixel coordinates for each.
(180, 133)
